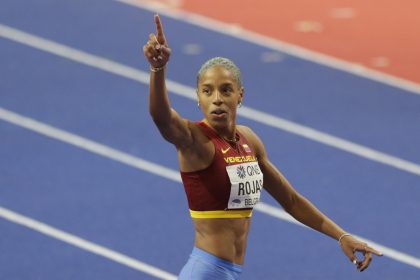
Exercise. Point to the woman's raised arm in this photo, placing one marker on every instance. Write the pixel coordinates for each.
(172, 127)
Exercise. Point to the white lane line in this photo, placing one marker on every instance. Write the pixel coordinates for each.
(275, 44)
(73, 54)
(387, 251)
(159, 170)
(84, 244)
(329, 140)
(87, 144)
(189, 92)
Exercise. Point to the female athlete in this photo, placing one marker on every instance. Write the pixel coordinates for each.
(224, 167)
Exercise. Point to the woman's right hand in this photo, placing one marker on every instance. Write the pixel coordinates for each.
(156, 49)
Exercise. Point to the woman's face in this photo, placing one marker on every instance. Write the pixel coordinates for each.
(219, 95)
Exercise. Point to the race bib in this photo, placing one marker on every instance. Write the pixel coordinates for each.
(246, 185)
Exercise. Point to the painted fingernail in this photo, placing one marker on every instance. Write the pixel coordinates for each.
(354, 262)
(160, 57)
(158, 47)
(154, 58)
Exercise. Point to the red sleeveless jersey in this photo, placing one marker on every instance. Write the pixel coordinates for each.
(230, 186)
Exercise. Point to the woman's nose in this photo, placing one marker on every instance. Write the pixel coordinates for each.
(217, 98)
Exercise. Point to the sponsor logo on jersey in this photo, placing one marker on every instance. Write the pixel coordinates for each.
(224, 151)
(241, 172)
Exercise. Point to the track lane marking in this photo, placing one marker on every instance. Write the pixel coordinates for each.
(84, 244)
(159, 170)
(189, 93)
(275, 44)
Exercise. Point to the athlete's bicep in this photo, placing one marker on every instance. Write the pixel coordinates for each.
(277, 185)
(177, 131)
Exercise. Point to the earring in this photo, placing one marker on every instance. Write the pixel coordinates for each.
(198, 104)
(240, 104)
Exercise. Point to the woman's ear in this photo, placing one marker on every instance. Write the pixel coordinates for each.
(198, 100)
(241, 94)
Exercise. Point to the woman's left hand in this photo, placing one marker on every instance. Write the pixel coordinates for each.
(351, 245)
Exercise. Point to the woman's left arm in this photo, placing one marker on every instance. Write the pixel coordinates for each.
(305, 212)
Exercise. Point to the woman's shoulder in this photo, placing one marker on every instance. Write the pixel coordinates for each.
(252, 138)
(246, 131)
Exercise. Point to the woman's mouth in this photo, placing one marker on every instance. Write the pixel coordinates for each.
(219, 113)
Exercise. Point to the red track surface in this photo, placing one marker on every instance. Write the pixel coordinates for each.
(383, 35)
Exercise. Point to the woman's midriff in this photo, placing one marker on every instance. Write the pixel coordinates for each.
(224, 238)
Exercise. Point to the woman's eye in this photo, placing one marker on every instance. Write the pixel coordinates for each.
(227, 90)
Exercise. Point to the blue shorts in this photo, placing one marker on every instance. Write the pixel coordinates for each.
(204, 266)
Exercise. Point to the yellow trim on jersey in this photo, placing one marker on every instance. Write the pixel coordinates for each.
(221, 214)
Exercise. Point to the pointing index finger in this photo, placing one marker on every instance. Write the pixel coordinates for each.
(159, 30)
